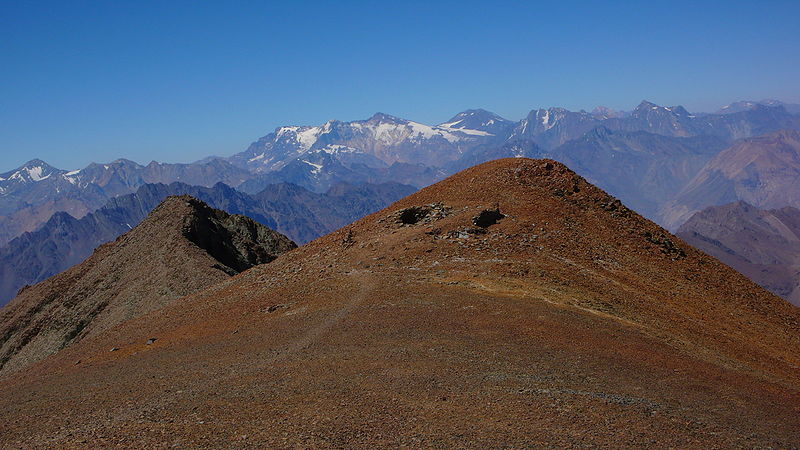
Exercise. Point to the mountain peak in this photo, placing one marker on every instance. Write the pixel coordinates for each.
(126, 162)
(646, 105)
(380, 117)
(32, 171)
(36, 162)
(461, 285)
(182, 246)
(477, 119)
(604, 112)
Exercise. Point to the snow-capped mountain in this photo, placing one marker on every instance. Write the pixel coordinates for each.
(673, 121)
(478, 121)
(319, 170)
(386, 138)
(379, 149)
(552, 127)
(30, 172)
(745, 105)
(34, 171)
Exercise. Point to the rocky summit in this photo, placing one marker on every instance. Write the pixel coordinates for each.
(182, 247)
(511, 305)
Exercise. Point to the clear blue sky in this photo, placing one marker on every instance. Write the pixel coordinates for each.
(176, 81)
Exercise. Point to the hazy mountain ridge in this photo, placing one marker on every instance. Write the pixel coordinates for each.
(382, 148)
(31, 194)
(762, 244)
(763, 171)
(642, 168)
(360, 150)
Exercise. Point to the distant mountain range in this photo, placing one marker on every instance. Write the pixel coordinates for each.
(380, 149)
(32, 193)
(749, 104)
(384, 140)
(763, 171)
(664, 162)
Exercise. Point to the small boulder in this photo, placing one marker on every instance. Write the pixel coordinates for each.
(487, 218)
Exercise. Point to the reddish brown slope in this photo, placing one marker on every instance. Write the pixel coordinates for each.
(572, 321)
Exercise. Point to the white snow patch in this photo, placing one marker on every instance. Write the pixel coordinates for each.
(474, 132)
(452, 124)
(35, 173)
(452, 128)
(308, 137)
(284, 130)
(317, 167)
(333, 149)
(72, 176)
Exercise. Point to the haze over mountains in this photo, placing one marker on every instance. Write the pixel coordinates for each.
(762, 244)
(32, 193)
(512, 304)
(380, 149)
(664, 162)
(763, 171)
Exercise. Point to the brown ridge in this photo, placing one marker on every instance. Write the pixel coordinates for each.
(512, 304)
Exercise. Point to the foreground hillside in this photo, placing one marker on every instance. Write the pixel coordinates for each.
(182, 247)
(512, 304)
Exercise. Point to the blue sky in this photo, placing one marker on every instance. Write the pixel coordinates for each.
(176, 81)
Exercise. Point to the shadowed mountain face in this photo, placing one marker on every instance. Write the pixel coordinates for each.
(182, 247)
(513, 291)
(763, 171)
(764, 245)
(302, 215)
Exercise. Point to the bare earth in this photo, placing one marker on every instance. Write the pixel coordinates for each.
(570, 322)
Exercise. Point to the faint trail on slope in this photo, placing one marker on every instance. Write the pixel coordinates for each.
(366, 285)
